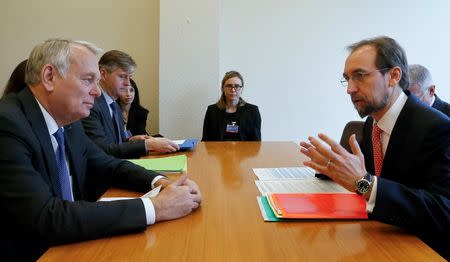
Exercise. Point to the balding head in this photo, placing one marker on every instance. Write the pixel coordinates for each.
(421, 83)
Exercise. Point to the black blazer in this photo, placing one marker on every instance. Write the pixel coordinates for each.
(249, 119)
(414, 186)
(98, 126)
(34, 216)
(441, 105)
(137, 120)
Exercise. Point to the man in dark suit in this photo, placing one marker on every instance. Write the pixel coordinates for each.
(421, 85)
(105, 125)
(403, 166)
(48, 164)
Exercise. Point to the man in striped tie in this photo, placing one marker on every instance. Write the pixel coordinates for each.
(403, 165)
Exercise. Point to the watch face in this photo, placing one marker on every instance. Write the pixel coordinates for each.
(363, 186)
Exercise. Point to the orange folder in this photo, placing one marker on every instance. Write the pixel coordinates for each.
(318, 205)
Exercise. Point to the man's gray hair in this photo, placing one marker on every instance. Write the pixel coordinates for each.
(419, 75)
(55, 52)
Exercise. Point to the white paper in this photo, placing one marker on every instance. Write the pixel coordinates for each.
(314, 185)
(284, 173)
(179, 142)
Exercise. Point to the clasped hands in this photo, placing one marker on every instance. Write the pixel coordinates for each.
(177, 199)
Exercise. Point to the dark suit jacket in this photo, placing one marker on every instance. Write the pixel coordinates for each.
(34, 216)
(137, 120)
(98, 126)
(249, 119)
(441, 105)
(414, 185)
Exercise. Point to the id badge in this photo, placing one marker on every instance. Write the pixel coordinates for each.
(233, 128)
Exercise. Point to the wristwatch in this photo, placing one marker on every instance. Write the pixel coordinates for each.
(363, 185)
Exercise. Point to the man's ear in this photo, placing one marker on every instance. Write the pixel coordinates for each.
(396, 76)
(48, 77)
(103, 73)
(431, 90)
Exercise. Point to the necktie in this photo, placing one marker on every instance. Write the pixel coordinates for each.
(116, 122)
(61, 164)
(377, 149)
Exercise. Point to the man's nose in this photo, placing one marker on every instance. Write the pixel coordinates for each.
(127, 81)
(351, 87)
(95, 91)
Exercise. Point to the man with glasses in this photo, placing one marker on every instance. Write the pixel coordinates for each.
(421, 85)
(105, 125)
(403, 166)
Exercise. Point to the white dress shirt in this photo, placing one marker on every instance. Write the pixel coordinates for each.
(386, 124)
(52, 127)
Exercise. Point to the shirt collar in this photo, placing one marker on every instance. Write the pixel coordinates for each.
(52, 126)
(388, 120)
(433, 100)
(108, 99)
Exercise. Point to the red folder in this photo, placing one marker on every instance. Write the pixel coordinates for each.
(318, 205)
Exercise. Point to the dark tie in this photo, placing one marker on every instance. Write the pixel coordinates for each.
(377, 149)
(61, 164)
(116, 122)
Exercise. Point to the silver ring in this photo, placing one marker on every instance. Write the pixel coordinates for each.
(328, 163)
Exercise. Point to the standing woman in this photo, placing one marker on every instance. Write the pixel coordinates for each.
(134, 115)
(231, 118)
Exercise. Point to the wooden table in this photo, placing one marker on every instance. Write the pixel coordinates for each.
(229, 226)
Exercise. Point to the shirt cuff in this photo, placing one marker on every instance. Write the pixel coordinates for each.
(156, 180)
(149, 211)
(373, 196)
(145, 146)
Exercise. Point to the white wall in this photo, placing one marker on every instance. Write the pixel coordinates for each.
(189, 64)
(132, 27)
(291, 54)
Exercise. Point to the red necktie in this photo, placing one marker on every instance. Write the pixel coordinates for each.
(377, 149)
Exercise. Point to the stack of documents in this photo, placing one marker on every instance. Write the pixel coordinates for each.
(172, 164)
(294, 192)
(317, 206)
(293, 180)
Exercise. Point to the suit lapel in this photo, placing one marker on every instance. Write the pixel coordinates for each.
(104, 109)
(74, 155)
(34, 115)
(403, 142)
(366, 146)
(437, 103)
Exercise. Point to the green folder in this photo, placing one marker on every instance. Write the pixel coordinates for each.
(266, 210)
(172, 164)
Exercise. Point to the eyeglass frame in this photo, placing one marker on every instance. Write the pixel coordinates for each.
(359, 77)
(236, 87)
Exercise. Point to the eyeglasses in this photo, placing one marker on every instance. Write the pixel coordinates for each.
(235, 86)
(358, 77)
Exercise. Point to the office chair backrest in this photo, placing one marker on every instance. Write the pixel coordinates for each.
(352, 127)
